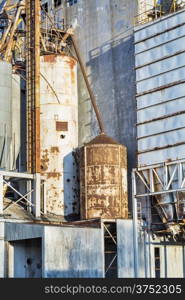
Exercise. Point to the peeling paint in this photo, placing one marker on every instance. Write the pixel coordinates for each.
(103, 185)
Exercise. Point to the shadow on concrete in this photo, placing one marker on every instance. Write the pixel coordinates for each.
(71, 188)
(112, 76)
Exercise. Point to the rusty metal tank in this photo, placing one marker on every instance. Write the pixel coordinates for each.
(59, 133)
(103, 179)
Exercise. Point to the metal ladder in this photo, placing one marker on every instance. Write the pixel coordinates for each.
(33, 84)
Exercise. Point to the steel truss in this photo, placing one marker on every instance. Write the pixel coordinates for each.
(160, 181)
(31, 198)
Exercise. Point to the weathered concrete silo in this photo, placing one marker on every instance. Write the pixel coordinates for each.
(9, 117)
(5, 114)
(59, 133)
(103, 179)
(16, 121)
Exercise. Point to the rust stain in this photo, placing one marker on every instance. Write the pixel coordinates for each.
(55, 149)
(44, 160)
(72, 77)
(71, 61)
(103, 190)
(53, 175)
(50, 58)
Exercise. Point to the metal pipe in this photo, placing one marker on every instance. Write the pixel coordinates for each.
(160, 193)
(8, 53)
(91, 94)
(135, 225)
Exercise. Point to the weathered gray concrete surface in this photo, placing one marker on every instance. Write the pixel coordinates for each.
(104, 32)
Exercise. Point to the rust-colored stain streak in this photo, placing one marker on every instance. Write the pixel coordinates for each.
(50, 58)
(53, 175)
(104, 185)
(44, 160)
(73, 79)
(71, 61)
(55, 150)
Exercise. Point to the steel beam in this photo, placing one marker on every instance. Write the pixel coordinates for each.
(37, 192)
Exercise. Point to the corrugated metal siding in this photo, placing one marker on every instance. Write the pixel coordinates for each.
(160, 76)
(125, 249)
(73, 252)
(20, 231)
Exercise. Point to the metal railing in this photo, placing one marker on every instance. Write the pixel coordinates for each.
(164, 182)
(157, 10)
(32, 198)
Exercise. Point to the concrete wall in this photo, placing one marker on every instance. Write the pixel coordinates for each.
(59, 108)
(73, 252)
(16, 121)
(104, 33)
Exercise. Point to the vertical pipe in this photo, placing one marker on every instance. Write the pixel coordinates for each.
(85, 178)
(1, 194)
(91, 94)
(29, 197)
(135, 223)
(37, 191)
(44, 197)
(8, 53)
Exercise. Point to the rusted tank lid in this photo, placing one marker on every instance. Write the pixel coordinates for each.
(102, 139)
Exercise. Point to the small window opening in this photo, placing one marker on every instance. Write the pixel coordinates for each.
(157, 262)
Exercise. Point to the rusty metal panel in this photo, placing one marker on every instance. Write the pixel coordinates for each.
(59, 106)
(61, 126)
(104, 181)
(160, 69)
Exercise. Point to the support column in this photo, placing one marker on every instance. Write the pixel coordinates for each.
(1, 194)
(2, 251)
(135, 223)
(37, 192)
(29, 197)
